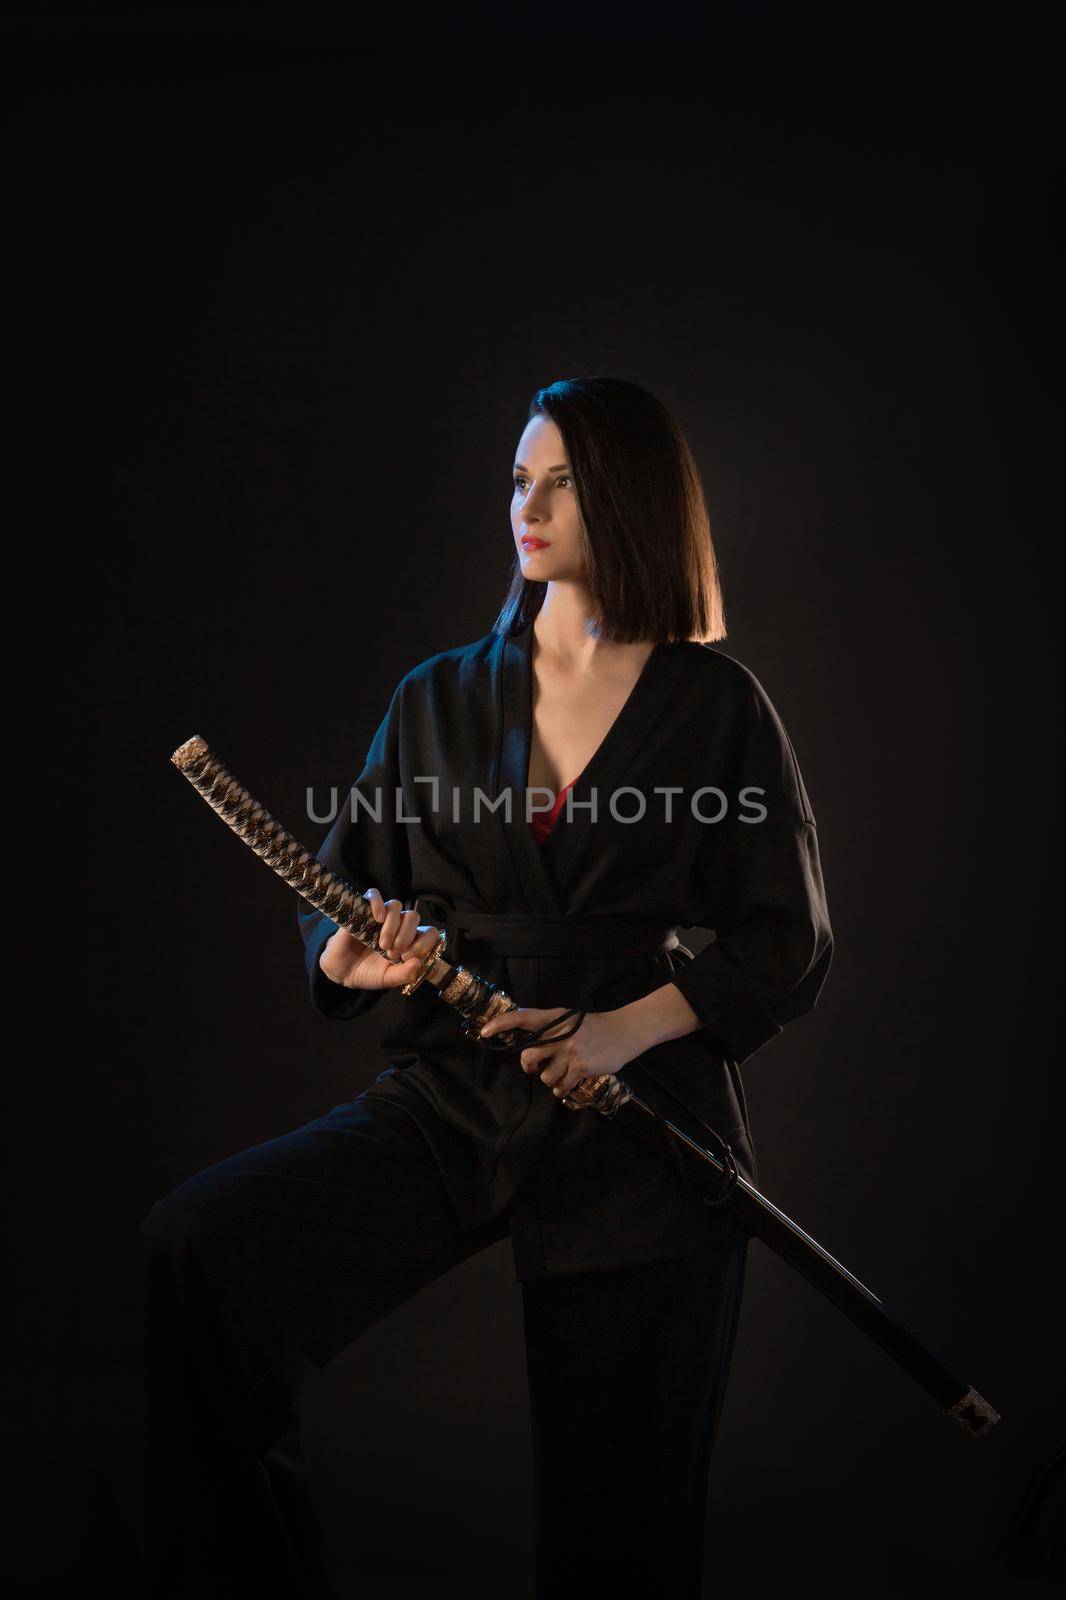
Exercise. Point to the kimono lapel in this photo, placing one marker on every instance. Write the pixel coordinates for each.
(542, 871)
(514, 706)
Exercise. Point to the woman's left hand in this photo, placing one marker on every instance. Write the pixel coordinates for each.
(601, 1044)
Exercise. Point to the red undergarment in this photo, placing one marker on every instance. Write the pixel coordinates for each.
(543, 820)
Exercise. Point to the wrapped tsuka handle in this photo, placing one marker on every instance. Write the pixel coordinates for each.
(251, 822)
(474, 998)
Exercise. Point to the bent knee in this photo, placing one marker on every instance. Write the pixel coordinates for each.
(192, 1211)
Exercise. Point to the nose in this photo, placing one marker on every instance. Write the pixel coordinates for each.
(531, 513)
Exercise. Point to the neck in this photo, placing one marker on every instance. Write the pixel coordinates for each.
(564, 627)
(564, 630)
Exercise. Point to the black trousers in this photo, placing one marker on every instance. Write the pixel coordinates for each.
(259, 1270)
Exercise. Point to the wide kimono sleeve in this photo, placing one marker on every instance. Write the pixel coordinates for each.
(369, 853)
(757, 882)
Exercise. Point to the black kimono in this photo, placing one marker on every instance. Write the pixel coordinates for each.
(723, 838)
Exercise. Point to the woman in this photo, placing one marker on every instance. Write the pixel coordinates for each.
(584, 778)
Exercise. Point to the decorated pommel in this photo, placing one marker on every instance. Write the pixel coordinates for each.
(187, 754)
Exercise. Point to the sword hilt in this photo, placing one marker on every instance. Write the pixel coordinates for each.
(473, 997)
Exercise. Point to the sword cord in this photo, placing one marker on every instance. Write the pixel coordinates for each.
(498, 1041)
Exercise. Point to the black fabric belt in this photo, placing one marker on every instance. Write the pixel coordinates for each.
(520, 934)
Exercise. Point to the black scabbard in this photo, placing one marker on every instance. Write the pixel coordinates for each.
(715, 1178)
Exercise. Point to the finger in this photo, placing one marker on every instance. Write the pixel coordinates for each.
(427, 940)
(420, 946)
(554, 1077)
(566, 1084)
(405, 933)
(377, 905)
(390, 928)
(534, 1056)
(519, 1017)
(524, 1017)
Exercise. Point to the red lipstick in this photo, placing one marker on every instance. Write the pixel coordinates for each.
(531, 542)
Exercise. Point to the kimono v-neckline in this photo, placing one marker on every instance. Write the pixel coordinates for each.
(541, 870)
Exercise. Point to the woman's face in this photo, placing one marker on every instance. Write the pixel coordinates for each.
(545, 516)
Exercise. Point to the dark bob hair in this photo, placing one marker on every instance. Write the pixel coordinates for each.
(646, 535)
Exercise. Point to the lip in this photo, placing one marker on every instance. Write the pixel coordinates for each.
(531, 542)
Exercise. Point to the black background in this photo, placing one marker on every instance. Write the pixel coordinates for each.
(290, 288)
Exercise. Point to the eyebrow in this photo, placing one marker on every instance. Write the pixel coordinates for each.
(562, 467)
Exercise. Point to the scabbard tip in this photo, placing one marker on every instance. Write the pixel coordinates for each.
(193, 749)
(974, 1414)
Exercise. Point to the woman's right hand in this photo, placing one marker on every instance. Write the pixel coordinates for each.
(345, 960)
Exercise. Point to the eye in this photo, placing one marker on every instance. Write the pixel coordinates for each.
(519, 480)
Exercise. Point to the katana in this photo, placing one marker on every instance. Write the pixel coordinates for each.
(476, 1000)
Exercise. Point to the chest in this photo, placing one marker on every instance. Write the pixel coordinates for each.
(571, 718)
